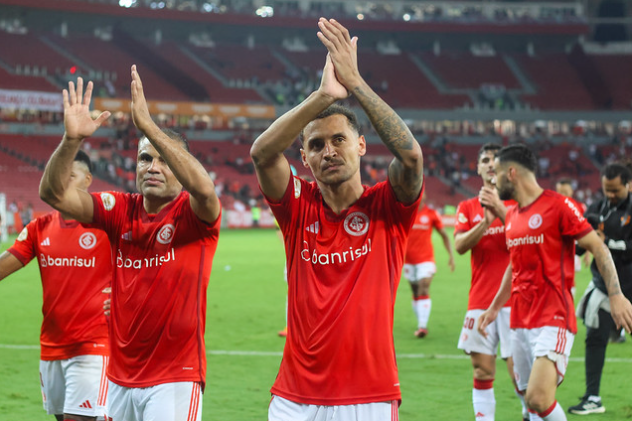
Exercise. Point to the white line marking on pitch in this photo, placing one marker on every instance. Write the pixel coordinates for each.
(280, 354)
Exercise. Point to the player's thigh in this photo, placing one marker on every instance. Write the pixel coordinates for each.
(53, 386)
(281, 409)
(120, 403)
(522, 357)
(504, 332)
(425, 271)
(178, 401)
(471, 341)
(554, 343)
(542, 383)
(85, 385)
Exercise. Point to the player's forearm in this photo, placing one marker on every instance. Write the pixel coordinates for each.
(465, 241)
(607, 269)
(8, 264)
(390, 127)
(186, 168)
(57, 172)
(271, 144)
(446, 243)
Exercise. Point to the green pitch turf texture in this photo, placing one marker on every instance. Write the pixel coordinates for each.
(246, 308)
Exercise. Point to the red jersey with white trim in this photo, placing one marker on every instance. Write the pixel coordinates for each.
(75, 265)
(541, 241)
(343, 272)
(489, 257)
(419, 248)
(161, 273)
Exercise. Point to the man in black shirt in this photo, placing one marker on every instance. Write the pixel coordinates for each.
(610, 217)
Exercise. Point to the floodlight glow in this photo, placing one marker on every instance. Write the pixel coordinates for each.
(407, 17)
(126, 3)
(360, 16)
(265, 11)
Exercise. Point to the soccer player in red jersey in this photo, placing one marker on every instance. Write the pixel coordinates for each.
(163, 241)
(344, 244)
(419, 263)
(541, 231)
(481, 229)
(75, 266)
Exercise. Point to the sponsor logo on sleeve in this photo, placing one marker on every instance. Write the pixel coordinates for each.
(462, 218)
(572, 207)
(297, 188)
(356, 223)
(108, 201)
(23, 235)
(535, 221)
(165, 235)
(87, 240)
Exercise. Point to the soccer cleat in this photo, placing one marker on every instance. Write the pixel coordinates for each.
(421, 332)
(283, 333)
(587, 406)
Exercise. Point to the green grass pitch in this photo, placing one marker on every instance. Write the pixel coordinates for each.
(246, 308)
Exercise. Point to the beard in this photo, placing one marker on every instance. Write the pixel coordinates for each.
(506, 192)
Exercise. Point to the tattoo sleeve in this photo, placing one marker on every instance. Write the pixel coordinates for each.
(608, 271)
(406, 178)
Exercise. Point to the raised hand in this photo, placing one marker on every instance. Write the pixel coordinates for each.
(330, 85)
(343, 51)
(140, 111)
(77, 120)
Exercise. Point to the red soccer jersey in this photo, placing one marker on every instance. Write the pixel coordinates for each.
(489, 257)
(541, 241)
(419, 248)
(343, 273)
(75, 265)
(162, 268)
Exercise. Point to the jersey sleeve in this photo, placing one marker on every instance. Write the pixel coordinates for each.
(463, 221)
(24, 247)
(284, 208)
(572, 222)
(401, 214)
(108, 208)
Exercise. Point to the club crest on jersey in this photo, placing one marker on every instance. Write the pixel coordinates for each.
(87, 240)
(108, 201)
(356, 223)
(424, 219)
(23, 234)
(535, 221)
(477, 218)
(462, 218)
(165, 235)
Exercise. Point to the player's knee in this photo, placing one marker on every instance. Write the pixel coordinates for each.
(482, 372)
(537, 401)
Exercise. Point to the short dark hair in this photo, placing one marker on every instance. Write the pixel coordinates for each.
(488, 147)
(520, 154)
(83, 157)
(335, 109)
(565, 180)
(172, 134)
(612, 171)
